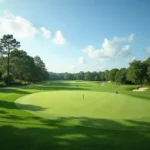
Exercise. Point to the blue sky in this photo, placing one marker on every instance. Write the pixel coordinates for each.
(79, 35)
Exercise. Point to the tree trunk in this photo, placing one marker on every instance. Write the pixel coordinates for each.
(8, 66)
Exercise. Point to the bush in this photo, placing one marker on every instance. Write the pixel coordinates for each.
(2, 84)
(5, 78)
(0, 75)
(19, 82)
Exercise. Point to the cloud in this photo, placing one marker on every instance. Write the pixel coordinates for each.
(74, 67)
(130, 38)
(132, 59)
(147, 51)
(45, 33)
(110, 49)
(16, 25)
(1, 1)
(81, 61)
(22, 28)
(59, 39)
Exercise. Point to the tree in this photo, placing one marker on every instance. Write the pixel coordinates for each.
(41, 71)
(112, 74)
(19, 63)
(136, 72)
(106, 75)
(96, 78)
(102, 76)
(88, 76)
(121, 76)
(8, 43)
(147, 63)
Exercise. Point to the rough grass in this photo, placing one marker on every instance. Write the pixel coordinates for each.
(24, 131)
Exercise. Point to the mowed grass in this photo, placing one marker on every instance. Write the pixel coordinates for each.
(104, 121)
(84, 104)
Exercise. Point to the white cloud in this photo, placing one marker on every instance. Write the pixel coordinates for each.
(132, 59)
(59, 39)
(74, 67)
(110, 48)
(130, 38)
(81, 61)
(147, 51)
(16, 25)
(1, 1)
(45, 33)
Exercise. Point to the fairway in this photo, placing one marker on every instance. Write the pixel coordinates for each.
(104, 105)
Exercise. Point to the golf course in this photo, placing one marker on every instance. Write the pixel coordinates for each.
(74, 115)
(74, 75)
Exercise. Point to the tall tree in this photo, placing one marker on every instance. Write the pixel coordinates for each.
(8, 43)
(147, 63)
(88, 76)
(121, 76)
(19, 63)
(112, 74)
(136, 72)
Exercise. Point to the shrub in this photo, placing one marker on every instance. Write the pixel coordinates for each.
(19, 82)
(2, 84)
(5, 78)
(0, 75)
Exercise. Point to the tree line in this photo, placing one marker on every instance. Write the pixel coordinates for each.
(16, 65)
(138, 72)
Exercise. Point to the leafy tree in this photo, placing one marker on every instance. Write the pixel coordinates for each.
(88, 76)
(121, 76)
(147, 63)
(96, 78)
(107, 75)
(112, 74)
(5, 77)
(0, 75)
(19, 63)
(40, 69)
(8, 43)
(102, 76)
(136, 72)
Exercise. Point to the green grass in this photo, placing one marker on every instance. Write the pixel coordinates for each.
(121, 123)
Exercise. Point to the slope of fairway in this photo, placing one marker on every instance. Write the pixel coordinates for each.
(84, 104)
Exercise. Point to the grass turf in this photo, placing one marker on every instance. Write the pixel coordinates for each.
(84, 104)
(22, 130)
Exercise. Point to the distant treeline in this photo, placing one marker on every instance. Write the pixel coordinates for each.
(17, 66)
(137, 73)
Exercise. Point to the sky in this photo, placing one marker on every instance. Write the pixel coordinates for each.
(79, 35)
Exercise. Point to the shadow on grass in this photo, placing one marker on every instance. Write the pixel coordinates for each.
(58, 135)
(11, 105)
(12, 90)
(3, 112)
(53, 88)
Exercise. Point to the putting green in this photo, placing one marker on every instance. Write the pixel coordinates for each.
(94, 105)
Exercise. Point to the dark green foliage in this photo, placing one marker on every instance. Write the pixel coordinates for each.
(19, 63)
(96, 78)
(18, 83)
(121, 76)
(137, 72)
(7, 44)
(0, 75)
(88, 76)
(5, 78)
(112, 74)
(2, 84)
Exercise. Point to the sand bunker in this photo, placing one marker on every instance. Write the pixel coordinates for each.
(141, 89)
(102, 84)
